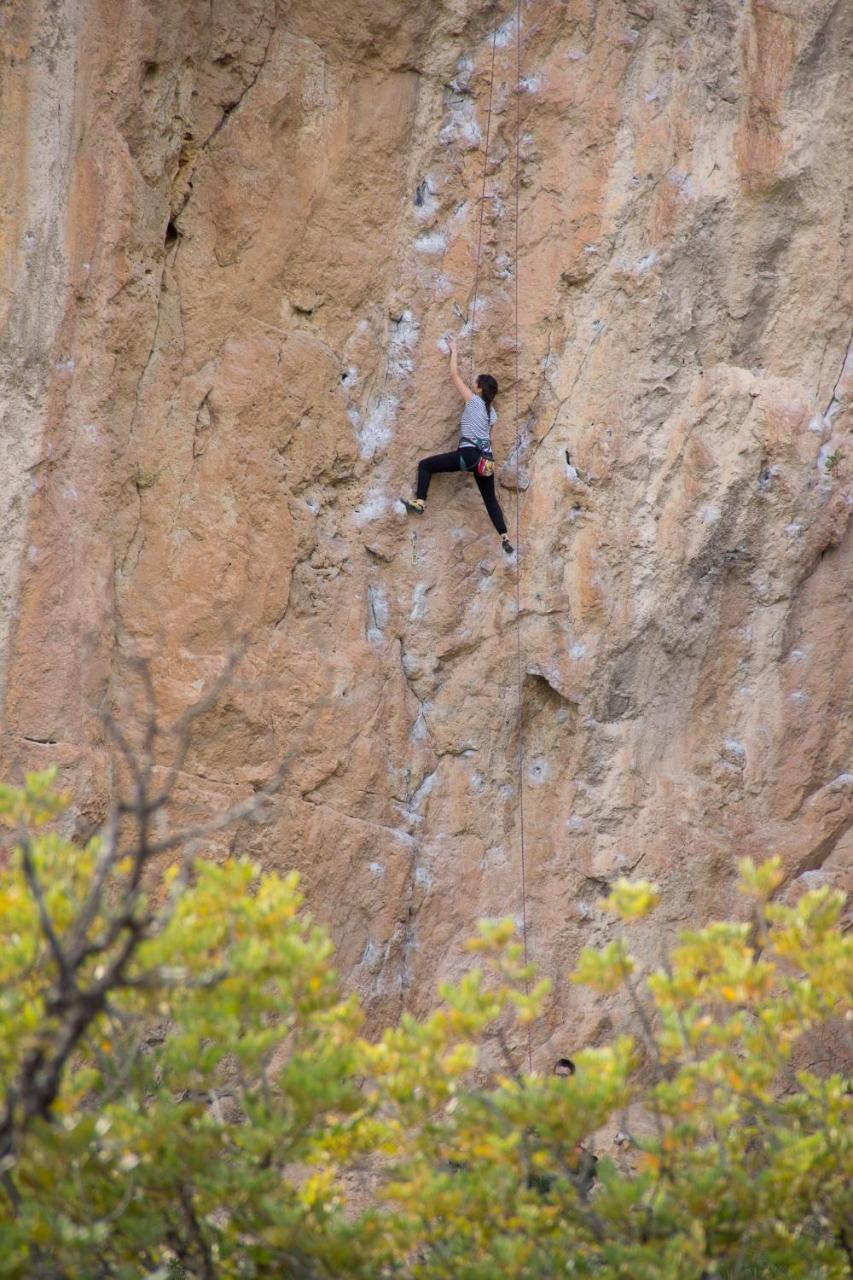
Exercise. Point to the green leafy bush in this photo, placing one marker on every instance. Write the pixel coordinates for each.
(186, 1092)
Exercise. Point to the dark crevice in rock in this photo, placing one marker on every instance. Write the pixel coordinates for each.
(544, 690)
(832, 400)
(228, 111)
(822, 852)
(231, 107)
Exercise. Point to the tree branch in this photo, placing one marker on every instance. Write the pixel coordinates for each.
(35, 888)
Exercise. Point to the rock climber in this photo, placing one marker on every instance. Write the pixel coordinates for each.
(581, 1168)
(474, 453)
(564, 1069)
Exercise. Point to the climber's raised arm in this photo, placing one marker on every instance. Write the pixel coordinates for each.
(464, 390)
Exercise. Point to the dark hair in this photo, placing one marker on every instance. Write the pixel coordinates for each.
(566, 1064)
(488, 388)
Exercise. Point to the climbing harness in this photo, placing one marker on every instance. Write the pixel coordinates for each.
(484, 464)
(490, 460)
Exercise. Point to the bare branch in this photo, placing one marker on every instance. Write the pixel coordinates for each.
(237, 813)
(113, 731)
(158, 981)
(35, 888)
(182, 728)
(88, 912)
(152, 727)
(79, 1000)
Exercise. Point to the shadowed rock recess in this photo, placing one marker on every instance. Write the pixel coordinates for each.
(234, 234)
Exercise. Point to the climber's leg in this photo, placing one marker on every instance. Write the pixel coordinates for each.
(428, 467)
(486, 485)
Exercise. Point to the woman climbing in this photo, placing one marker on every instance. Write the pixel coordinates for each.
(474, 452)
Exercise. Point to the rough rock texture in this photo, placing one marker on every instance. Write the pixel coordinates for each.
(234, 232)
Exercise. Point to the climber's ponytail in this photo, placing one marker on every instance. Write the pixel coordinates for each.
(488, 389)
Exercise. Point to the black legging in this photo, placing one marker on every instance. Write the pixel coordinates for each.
(427, 467)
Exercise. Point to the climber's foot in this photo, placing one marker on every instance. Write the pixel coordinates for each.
(415, 505)
(507, 545)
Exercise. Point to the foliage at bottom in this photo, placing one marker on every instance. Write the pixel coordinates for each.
(186, 1091)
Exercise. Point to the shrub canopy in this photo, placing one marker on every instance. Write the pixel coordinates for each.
(186, 1091)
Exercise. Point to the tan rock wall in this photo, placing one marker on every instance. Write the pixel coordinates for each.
(233, 237)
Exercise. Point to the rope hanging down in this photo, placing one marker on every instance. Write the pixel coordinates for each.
(518, 506)
(483, 200)
(517, 184)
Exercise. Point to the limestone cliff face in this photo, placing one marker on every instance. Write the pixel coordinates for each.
(234, 232)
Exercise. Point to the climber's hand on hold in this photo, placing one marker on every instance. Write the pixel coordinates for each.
(465, 391)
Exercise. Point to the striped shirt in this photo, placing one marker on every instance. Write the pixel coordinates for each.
(476, 425)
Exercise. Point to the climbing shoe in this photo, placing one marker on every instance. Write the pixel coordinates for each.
(415, 505)
(507, 545)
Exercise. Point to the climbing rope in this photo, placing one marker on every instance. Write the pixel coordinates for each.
(473, 315)
(518, 511)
